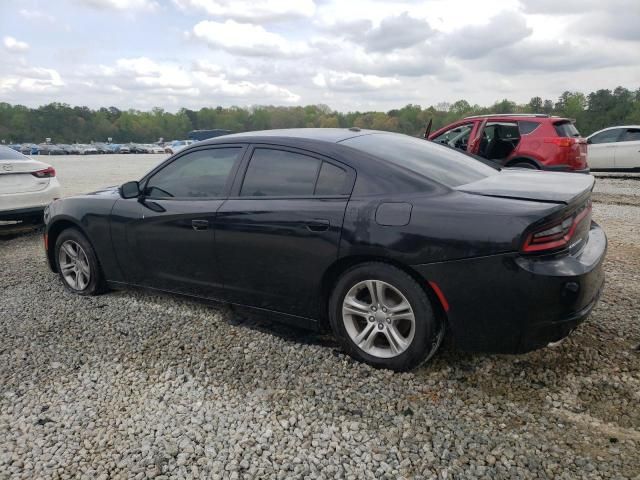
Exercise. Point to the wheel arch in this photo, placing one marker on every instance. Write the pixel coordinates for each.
(523, 159)
(52, 233)
(341, 265)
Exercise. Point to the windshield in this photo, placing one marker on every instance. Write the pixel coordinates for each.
(436, 162)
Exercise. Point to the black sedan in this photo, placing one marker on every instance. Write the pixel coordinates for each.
(388, 239)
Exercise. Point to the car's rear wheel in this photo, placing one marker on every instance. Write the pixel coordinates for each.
(528, 165)
(383, 317)
(77, 263)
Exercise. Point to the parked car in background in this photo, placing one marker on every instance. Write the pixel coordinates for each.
(29, 149)
(383, 237)
(532, 141)
(26, 186)
(124, 149)
(615, 148)
(177, 145)
(156, 149)
(50, 149)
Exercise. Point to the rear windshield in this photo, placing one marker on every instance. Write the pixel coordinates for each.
(436, 162)
(566, 129)
(7, 153)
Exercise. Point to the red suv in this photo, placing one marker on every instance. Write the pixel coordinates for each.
(519, 140)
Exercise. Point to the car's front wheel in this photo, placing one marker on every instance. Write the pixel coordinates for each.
(382, 316)
(77, 263)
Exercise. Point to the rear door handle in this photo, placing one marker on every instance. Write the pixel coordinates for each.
(318, 225)
(200, 224)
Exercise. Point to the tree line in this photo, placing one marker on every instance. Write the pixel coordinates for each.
(66, 124)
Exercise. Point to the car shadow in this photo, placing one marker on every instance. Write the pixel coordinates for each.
(11, 230)
(247, 318)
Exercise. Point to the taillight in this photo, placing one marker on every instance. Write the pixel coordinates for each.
(556, 235)
(46, 173)
(561, 141)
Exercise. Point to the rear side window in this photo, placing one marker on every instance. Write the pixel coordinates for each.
(279, 173)
(566, 129)
(431, 160)
(632, 135)
(332, 180)
(527, 126)
(7, 153)
(199, 174)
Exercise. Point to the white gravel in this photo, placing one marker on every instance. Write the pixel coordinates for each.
(136, 385)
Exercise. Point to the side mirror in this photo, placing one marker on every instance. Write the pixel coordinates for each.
(589, 141)
(130, 190)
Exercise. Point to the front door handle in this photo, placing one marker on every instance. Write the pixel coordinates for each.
(318, 225)
(200, 224)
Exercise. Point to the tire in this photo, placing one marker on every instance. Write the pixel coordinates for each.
(421, 336)
(528, 165)
(71, 244)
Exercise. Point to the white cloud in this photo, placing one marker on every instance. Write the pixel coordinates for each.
(356, 54)
(14, 46)
(123, 5)
(36, 15)
(32, 80)
(349, 81)
(251, 10)
(246, 39)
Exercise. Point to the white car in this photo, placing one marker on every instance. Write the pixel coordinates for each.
(614, 148)
(26, 186)
(178, 145)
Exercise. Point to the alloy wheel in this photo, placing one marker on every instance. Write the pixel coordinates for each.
(378, 318)
(74, 265)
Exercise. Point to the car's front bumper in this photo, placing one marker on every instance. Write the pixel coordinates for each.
(512, 303)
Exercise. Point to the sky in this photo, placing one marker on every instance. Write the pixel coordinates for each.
(348, 54)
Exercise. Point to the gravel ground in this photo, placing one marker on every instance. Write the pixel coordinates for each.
(136, 385)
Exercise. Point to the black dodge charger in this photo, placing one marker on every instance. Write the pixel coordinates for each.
(390, 240)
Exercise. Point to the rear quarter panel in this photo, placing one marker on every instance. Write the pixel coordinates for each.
(443, 227)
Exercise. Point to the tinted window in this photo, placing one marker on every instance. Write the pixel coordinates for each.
(457, 137)
(608, 136)
(199, 174)
(429, 159)
(7, 153)
(632, 135)
(279, 173)
(566, 129)
(527, 127)
(332, 180)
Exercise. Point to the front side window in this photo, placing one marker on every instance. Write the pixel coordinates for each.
(608, 136)
(279, 173)
(457, 137)
(199, 174)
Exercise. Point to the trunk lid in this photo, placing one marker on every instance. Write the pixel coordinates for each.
(524, 184)
(16, 176)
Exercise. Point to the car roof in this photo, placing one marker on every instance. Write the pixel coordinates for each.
(517, 116)
(614, 127)
(330, 135)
